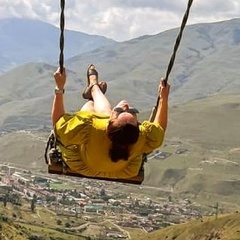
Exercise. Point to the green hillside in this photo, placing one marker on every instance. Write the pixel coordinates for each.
(226, 227)
(19, 223)
(202, 146)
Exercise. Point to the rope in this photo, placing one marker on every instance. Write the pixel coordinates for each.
(171, 62)
(61, 42)
(172, 59)
(179, 37)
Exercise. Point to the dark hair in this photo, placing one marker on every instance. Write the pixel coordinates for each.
(121, 136)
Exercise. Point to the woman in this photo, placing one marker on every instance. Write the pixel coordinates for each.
(101, 141)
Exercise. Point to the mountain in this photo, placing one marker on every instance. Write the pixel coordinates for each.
(202, 141)
(25, 40)
(206, 64)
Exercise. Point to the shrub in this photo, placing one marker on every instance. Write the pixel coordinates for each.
(67, 225)
(59, 222)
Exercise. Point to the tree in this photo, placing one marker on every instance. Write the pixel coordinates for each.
(5, 200)
(33, 203)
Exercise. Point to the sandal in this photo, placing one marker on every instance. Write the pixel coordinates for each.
(103, 86)
(87, 91)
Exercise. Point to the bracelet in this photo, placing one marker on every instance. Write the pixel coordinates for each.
(59, 91)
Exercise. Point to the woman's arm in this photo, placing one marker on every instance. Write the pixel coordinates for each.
(58, 101)
(162, 110)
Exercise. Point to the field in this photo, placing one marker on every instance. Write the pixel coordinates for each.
(19, 223)
(202, 164)
(225, 227)
(42, 222)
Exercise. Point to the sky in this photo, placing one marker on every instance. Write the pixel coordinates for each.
(121, 20)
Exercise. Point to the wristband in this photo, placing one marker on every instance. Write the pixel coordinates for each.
(59, 91)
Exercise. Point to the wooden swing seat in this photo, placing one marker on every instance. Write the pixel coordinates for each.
(61, 169)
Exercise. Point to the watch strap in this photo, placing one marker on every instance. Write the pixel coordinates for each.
(59, 91)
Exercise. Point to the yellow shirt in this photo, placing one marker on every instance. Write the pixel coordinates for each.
(85, 145)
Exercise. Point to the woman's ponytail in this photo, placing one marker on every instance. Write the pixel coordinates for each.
(121, 136)
(117, 152)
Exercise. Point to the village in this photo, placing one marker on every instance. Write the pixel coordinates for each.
(88, 199)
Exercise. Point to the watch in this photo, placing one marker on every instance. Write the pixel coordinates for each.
(59, 91)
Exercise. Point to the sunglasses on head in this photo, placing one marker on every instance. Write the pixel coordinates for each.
(129, 110)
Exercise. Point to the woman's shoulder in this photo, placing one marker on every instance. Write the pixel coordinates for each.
(147, 125)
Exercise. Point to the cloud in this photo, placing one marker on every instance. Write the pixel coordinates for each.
(121, 19)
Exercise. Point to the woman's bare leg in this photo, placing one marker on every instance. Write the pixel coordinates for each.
(88, 106)
(99, 104)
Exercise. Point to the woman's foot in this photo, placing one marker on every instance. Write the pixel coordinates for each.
(92, 79)
(92, 75)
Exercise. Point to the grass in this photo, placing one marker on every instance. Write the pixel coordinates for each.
(226, 227)
(135, 233)
(45, 231)
(8, 231)
(210, 167)
(211, 123)
(41, 222)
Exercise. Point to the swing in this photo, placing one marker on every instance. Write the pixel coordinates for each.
(53, 156)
